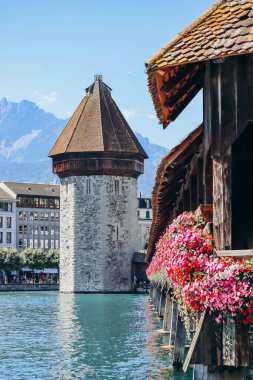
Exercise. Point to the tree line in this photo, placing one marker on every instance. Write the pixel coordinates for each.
(33, 258)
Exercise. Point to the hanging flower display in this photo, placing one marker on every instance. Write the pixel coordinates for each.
(185, 261)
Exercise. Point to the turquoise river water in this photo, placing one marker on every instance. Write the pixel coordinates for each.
(49, 336)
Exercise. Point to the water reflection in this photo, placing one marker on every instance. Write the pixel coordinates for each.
(87, 337)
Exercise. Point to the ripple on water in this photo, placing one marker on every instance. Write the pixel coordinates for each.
(52, 336)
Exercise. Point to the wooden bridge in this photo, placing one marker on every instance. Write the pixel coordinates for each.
(217, 352)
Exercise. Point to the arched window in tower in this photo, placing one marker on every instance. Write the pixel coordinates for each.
(116, 186)
(147, 214)
(88, 186)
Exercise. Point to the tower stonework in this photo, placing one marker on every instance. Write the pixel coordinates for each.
(98, 160)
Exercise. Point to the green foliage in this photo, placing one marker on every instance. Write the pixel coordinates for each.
(10, 259)
(34, 258)
(53, 258)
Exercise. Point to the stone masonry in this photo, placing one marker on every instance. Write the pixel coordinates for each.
(98, 233)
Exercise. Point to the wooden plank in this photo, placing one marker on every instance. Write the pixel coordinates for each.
(194, 342)
(199, 372)
(235, 253)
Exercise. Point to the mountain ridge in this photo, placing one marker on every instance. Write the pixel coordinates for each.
(27, 133)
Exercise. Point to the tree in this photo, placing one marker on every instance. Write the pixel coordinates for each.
(10, 260)
(34, 258)
(53, 258)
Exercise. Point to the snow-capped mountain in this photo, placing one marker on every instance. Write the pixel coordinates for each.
(26, 135)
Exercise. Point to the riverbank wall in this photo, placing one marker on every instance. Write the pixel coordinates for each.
(28, 287)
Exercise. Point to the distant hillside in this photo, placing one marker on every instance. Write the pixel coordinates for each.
(26, 135)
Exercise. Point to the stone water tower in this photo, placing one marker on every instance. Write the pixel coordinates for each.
(98, 159)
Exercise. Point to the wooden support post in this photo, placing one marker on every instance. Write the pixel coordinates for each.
(193, 192)
(151, 292)
(156, 297)
(167, 314)
(199, 372)
(179, 347)
(173, 324)
(161, 308)
(187, 200)
(200, 181)
(222, 201)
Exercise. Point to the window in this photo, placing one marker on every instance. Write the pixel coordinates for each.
(5, 206)
(20, 243)
(52, 216)
(46, 230)
(57, 203)
(42, 244)
(147, 214)
(44, 202)
(52, 230)
(51, 203)
(25, 229)
(52, 244)
(1, 238)
(42, 230)
(46, 244)
(31, 243)
(8, 222)
(24, 215)
(56, 244)
(24, 243)
(46, 215)
(88, 186)
(8, 237)
(1, 222)
(31, 216)
(116, 186)
(20, 229)
(57, 230)
(31, 230)
(35, 230)
(57, 216)
(36, 216)
(35, 243)
(20, 215)
(42, 216)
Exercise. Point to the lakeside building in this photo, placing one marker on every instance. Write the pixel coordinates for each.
(31, 216)
(145, 215)
(98, 159)
(7, 219)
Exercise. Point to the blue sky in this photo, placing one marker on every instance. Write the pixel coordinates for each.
(51, 49)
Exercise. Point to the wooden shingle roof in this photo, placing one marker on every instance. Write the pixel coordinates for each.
(175, 74)
(97, 125)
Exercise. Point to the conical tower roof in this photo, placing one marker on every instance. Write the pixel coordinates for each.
(97, 125)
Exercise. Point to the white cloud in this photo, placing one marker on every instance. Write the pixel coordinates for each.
(19, 144)
(130, 72)
(129, 113)
(44, 99)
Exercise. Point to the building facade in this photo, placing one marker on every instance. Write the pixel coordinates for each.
(145, 215)
(7, 220)
(36, 215)
(98, 159)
